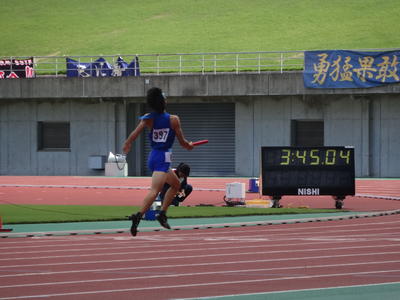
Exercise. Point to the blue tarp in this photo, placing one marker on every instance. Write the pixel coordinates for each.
(101, 68)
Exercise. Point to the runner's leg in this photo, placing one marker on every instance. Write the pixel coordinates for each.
(173, 181)
(157, 182)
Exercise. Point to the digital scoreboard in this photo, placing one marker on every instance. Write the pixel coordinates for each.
(307, 171)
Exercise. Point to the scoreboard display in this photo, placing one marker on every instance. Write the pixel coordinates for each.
(307, 171)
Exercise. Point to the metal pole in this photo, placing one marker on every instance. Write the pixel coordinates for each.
(11, 65)
(180, 64)
(237, 63)
(158, 64)
(56, 66)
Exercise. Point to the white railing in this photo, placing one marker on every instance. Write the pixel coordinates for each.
(185, 63)
(213, 63)
(182, 64)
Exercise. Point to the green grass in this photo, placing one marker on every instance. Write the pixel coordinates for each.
(23, 214)
(101, 27)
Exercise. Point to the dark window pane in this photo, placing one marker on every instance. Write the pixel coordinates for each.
(307, 133)
(53, 135)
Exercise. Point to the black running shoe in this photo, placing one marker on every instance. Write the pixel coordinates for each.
(135, 222)
(162, 218)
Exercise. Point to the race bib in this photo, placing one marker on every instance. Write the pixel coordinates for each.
(160, 135)
(168, 157)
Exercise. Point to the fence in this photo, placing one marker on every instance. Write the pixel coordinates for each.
(184, 64)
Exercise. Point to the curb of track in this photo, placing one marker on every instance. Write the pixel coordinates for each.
(205, 226)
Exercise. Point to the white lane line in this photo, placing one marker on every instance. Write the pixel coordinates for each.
(205, 249)
(118, 187)
(281, 231)
(240, 271)
(207, 226)
(217, 240)
(158, 266)
(127, 240)
(200, 284)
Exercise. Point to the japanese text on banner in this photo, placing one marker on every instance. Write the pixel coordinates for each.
(350, 69)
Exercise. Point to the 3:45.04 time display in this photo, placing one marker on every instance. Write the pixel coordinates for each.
(307, 170)
(315, 157)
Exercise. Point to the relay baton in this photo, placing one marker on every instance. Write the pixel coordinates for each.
(200, 142)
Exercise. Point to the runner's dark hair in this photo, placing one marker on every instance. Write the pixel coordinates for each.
(156, 99)
(184, 168)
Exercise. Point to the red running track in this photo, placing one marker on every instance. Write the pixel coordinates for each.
(206, 191)
(200, 263)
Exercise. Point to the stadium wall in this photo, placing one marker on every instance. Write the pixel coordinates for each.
(265, 105)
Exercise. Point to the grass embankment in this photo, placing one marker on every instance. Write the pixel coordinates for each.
(74, 27)
(20, 214)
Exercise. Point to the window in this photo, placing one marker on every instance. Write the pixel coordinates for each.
(54, 136)
(307, 133)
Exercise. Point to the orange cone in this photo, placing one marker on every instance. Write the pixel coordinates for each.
(3, 229)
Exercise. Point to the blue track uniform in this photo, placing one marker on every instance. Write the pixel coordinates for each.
(162, 138)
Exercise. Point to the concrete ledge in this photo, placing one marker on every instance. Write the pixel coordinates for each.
(269, 83)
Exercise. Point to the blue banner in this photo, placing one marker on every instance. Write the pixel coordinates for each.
(101, 68)
(350, 69)
(123, 69)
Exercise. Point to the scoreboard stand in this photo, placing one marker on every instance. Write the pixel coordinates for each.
(307, 171)
(338, 201)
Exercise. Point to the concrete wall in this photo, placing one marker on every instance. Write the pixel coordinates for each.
(266, 103)
(385, 137)
(369, 123)
(95, 129)
(273, 84)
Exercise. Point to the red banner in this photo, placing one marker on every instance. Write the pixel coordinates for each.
(16, 68)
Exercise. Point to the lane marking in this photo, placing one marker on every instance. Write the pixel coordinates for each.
(113, 270)
(215, 241)
(198, 284)
(299, 227)
(121, 187)
(205, 249)
(208, 263)
(240, 271)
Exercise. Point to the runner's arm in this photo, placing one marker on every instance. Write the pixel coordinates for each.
(134, 134)
(176, 126)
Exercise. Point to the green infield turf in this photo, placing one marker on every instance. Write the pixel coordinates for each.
(23, 214)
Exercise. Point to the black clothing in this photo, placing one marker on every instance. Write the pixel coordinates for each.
(187, 188)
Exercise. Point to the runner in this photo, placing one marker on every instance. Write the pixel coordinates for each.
(163, 128)
(185, 189)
